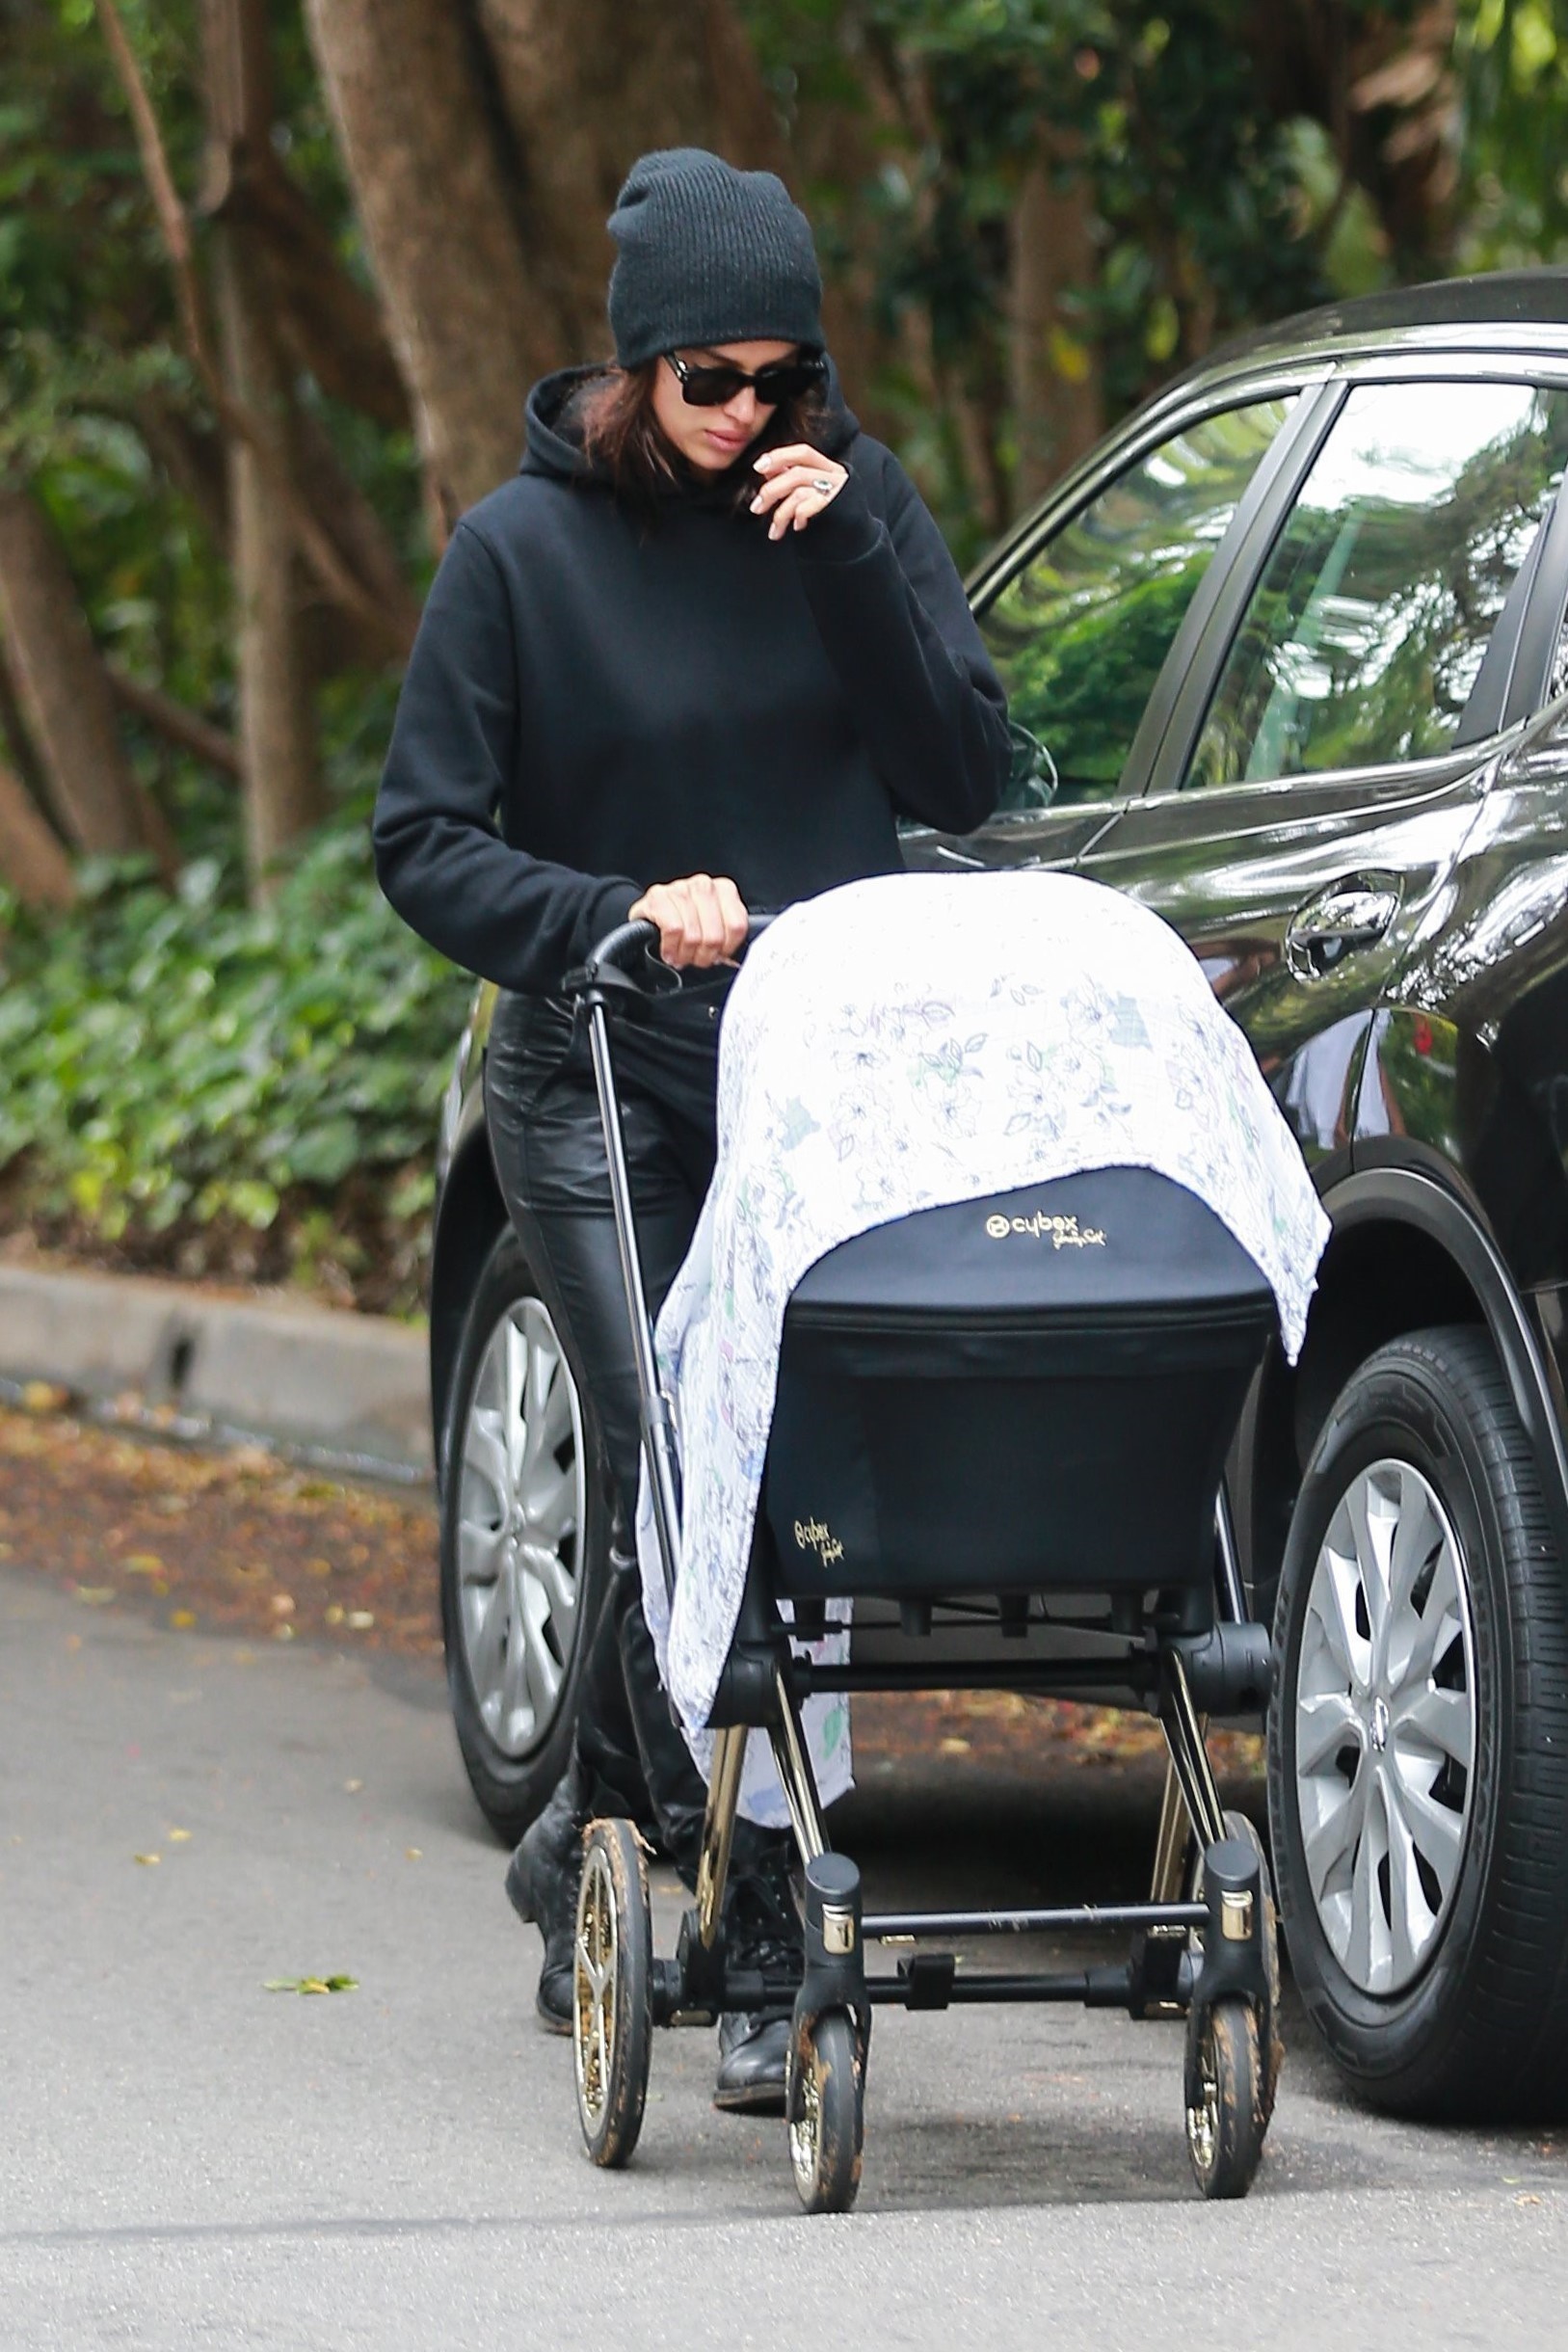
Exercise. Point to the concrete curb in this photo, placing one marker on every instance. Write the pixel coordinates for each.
(339, 1387)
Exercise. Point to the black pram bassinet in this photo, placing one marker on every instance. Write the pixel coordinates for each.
(1008, 1417)
(1074, 1354)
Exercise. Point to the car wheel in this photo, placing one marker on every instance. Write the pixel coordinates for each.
(524, 1544)
(1418, 1741)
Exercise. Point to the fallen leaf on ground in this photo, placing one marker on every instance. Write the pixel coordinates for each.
(180, 1838)
(311, 1984)
(150, 1860)
(96, 1596)
(79, 1498)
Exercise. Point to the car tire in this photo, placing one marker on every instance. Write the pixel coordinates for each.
(1424, 1897)
(525, 1532)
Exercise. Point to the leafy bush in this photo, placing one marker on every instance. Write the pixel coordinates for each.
(191, 1083)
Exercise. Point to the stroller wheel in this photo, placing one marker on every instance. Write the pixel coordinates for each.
(826, 2104)
(1226, 2120)
(612, 2021)
(1240, 1826)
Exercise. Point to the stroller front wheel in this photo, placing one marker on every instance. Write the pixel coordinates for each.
(1225, 2095)
(611, 2020)
(826, 2103)
(1240, 1826)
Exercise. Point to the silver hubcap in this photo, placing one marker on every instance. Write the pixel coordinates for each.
(520, 1528)
(1385, 1726)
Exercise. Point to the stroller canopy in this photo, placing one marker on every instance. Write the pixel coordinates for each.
(910, 1042)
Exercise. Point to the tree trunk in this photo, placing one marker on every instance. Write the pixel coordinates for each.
(591, 86)
(362, 540)
(437, 202)
(324, 318)
(277, 732)
(835, 147)
(14, 734)
(278, 769)
(32, 862)
(65, 694)
(1057, 401)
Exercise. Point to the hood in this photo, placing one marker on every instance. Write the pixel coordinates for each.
(554, 445)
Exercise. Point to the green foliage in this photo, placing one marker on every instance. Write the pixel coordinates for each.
(1513, 62)
(1193, 176)
(187, 1083)
(174, 1063)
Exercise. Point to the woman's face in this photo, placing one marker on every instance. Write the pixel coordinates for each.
(712, 438)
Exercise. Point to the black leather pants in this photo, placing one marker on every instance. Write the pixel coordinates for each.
(548, 1148)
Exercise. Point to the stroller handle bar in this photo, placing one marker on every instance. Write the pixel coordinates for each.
(632, 951)
(624, 965)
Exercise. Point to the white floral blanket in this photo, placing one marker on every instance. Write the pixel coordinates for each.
(902, 1044)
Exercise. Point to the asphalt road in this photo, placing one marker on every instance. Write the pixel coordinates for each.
(190, 2160)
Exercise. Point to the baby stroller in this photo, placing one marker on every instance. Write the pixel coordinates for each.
(923, 1367)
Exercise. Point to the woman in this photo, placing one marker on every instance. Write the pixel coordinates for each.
(696, 656)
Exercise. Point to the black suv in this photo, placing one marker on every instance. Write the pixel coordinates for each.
(1287, 661)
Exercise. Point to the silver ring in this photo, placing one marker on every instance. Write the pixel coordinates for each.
(823, 485)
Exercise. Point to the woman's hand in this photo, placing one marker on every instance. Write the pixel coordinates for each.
(701, 920)
(797, 483)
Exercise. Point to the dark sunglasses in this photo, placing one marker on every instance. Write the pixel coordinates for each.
(710, 388)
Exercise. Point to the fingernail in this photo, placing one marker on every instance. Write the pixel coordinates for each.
(756, 506)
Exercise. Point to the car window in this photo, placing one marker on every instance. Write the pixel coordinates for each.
(1080, 633)
(1365, 636)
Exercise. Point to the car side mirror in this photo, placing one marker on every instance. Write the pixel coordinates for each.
(1032, 781)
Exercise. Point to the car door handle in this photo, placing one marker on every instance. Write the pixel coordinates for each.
(1347, 915)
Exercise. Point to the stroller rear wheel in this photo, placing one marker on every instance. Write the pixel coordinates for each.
(1226, 2119)
(612, 2020)
(826, 2103)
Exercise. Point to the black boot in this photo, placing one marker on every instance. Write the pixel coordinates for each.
(763, 1927)
(762, 1930)
(542, 1880)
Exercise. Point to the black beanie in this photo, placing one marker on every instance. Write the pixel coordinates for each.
(708, 255)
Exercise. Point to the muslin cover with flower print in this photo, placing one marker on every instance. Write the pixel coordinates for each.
(901, 1044)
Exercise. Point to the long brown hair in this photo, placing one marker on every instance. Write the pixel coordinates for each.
(623, 438)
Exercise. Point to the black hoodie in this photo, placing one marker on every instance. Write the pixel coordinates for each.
(631, 700)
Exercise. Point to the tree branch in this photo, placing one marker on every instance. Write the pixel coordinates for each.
(186, 728)
(314, 543)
